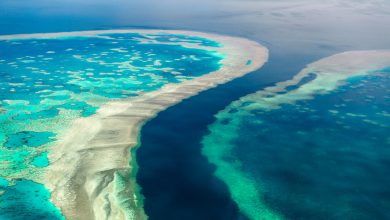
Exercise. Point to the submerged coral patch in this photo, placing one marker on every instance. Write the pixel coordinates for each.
(26, 199)
(62, 102)
(48, 82)
(286, 150)
(28, 138)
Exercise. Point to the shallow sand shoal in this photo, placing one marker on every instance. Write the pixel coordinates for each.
(90, 165)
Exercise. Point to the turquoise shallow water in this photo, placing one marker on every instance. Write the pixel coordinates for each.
(47, 83)
(26, 199)
(322, 158)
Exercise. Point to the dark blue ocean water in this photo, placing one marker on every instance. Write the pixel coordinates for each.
(296, 32)
(176, 179)
(326, 158)
(47, 83)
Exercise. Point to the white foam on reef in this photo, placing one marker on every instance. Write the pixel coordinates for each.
(91, 164)
(330, 72)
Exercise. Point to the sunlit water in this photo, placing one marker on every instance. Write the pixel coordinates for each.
(47, 83)
(296, 32)
(324, 158)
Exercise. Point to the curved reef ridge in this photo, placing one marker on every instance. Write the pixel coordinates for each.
(90, 170)
(321, 77)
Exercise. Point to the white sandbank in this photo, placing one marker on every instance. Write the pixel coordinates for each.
(89, 161)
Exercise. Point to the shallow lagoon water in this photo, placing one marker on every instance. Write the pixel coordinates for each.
(297, 32)
(322, 158)
(26, 199)
(47, 83)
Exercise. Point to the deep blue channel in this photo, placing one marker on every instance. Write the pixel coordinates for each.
(176, 180)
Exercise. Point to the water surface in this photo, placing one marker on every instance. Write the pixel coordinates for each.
(46, 83)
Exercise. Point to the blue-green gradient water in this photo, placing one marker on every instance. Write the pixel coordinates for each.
(321, 158)
(46, 83)
(296, 32)
(25, 199)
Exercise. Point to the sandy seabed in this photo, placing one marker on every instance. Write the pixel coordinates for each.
(91, 172)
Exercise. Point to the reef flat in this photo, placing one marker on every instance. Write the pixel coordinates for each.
(311, 147)
(88, 101)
